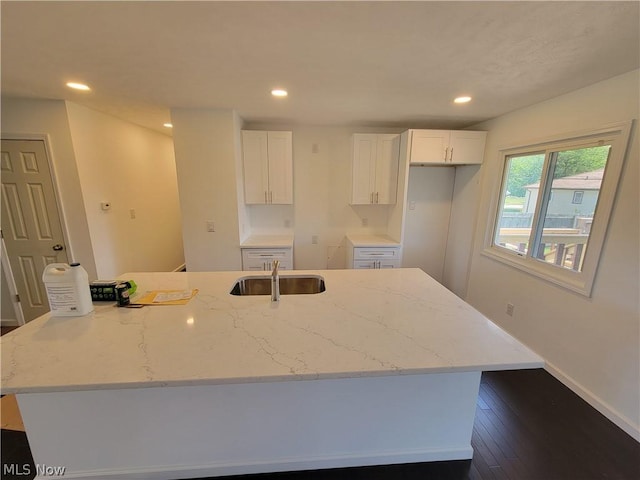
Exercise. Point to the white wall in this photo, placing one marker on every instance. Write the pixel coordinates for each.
(427, 219)
(322, 189)
(590, 343)
(206, 146)
(132, 168)
(22, 117)
(462, 223)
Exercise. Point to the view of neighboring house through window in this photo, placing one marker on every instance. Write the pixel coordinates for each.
(565, 224)
(549, 203)
(567, 204)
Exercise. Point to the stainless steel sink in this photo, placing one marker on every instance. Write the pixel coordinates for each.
(289, 285)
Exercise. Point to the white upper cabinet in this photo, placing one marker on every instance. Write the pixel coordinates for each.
(446, 147)
(268, 167)
(375, 168)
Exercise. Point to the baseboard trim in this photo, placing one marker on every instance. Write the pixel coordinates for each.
(269, 466)
(181, 268)
(9, 322)
(596, 402)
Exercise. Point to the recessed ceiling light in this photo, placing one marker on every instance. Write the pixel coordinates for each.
(168, 125)
(78, 86)
(278, 92)
(462, 99)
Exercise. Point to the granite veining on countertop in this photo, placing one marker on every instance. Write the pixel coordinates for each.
(366, 323)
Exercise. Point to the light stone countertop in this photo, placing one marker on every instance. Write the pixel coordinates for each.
(366, 323)
(268, 241)
(362, 240)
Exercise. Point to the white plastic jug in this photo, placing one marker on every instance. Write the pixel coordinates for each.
(67, 289)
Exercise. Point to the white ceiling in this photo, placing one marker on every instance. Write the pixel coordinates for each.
(359, 63)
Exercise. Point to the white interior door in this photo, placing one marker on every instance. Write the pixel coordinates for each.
(31, 225)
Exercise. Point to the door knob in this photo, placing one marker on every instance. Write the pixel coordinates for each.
(58, 248)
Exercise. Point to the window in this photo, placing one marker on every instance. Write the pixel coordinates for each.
(577, 196)
(554, 204)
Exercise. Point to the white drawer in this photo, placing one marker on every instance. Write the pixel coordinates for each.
(263, 258)
(376, 264)
(376, 253)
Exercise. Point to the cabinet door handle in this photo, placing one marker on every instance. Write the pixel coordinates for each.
(446, 152)
(377, 197)
(270, 197)
(371, 197)
(265, 197)
(451, 156)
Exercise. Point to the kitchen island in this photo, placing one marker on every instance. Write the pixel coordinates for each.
(382, 367)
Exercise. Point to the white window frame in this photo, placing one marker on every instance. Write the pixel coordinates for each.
(616, 135)
(578, 196)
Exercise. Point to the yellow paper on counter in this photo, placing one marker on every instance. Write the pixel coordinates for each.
(166, 297)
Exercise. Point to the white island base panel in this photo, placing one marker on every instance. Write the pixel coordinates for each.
(216, 430)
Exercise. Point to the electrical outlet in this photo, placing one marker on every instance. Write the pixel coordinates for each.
(510, 309)
(211, 227)
(314, 239)
(365, 222)
(132, 214)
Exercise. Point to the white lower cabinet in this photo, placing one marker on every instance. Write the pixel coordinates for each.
(261, 259)
(375, 257)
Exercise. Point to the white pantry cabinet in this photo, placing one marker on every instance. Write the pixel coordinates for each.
(375, 168)
(267, 160)
(446, 147)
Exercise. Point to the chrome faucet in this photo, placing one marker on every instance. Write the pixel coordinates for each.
(275, 282)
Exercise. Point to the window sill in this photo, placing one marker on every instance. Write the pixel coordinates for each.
(577, 282)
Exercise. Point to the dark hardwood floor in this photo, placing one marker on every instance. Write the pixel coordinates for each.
(4, 330)
(528, 426)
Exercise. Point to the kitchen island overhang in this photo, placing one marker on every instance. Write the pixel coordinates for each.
(383, 367)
